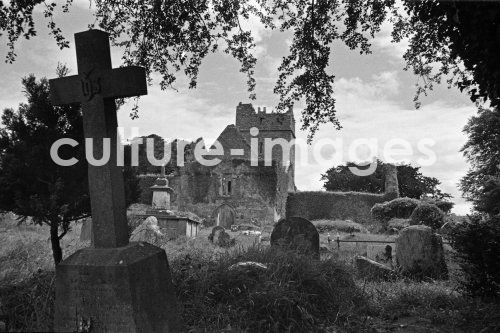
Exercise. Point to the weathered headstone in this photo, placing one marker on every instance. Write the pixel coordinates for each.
(372, 270)
(419, 253)
(86, 231)
(112, 286)
(296, 233)
(220, 237)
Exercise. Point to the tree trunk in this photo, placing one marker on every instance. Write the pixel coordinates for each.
(54, 240)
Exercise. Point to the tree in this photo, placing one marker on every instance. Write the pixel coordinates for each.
(412, 183)
(452, 39)
(32, 184)
(171, 36)
(481, 184)
(457, 40)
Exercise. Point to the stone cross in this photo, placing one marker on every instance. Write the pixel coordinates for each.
(96, 87)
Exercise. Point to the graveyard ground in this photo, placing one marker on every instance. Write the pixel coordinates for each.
(211, 296)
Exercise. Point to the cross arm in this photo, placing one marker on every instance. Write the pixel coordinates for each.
(113, 83)
(65, 90)
(125, 82)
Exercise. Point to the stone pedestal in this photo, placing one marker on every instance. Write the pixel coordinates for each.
(125, 289)
(161, 199)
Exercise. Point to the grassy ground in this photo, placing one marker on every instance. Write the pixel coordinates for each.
(294, 294)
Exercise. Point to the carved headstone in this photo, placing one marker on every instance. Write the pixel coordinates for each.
(113, 286)
(419, 253)
(296, 233)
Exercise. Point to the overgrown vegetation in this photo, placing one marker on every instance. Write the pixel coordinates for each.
(295, 293)
(400, 208)
(478, 246)
(427, 214)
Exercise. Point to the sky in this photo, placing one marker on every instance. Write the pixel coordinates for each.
(374, 100)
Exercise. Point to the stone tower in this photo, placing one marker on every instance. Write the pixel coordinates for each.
(271, 125)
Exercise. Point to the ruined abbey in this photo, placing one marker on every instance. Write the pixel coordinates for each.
(237, 190)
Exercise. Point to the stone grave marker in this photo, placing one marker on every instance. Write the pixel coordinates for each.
(112, 286)
(296, 233)
(420, 253)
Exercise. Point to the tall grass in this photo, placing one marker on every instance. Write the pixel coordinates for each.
(294, 293)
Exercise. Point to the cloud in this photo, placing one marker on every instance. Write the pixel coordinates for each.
(383, 42)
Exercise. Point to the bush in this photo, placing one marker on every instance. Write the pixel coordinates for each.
(444, 205)
(400, 208)
(478, 246)
(398, 224)
(294, 293)
(427, 214)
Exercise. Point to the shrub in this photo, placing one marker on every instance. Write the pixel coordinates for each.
(294, 293)
(429, 215)
(400, 208)
(398, 224)
(477, 245)
(444, 205)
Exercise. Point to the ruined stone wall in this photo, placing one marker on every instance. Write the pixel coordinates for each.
(355, 206)
(315, 205)
(254, 191)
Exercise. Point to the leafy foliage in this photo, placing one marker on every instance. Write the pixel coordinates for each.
(33, 185)
(168, 37)
(477, 244)
(175, 36)
(400, 208)
(453, 39)
(429, 215)
(412, 183)
(481, 185)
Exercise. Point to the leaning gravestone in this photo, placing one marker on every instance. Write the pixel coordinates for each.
(113, 286)
(372, 270)
(296, 233)
(419, 253)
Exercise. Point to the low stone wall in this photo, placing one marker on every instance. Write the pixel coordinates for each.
(314, 205)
